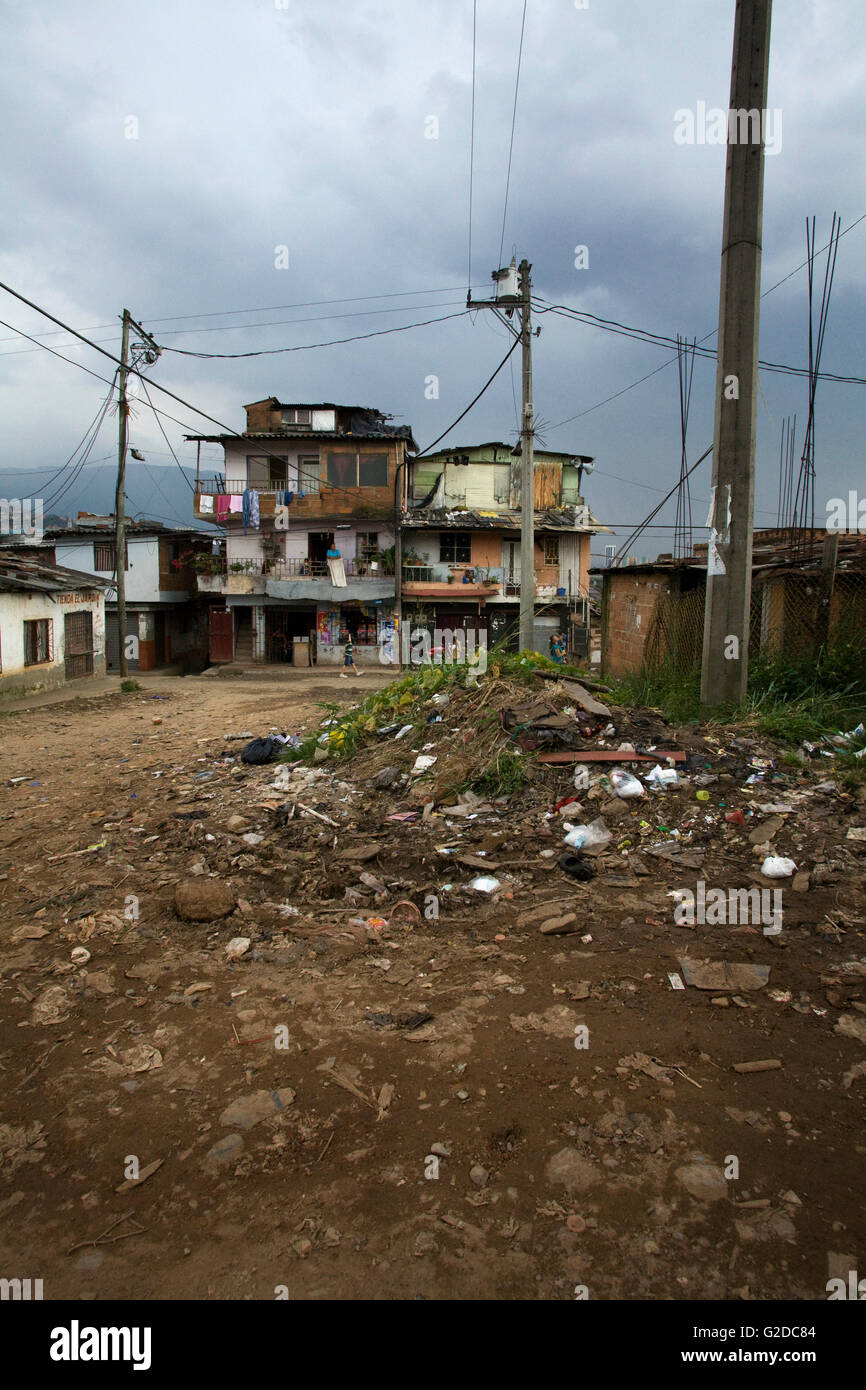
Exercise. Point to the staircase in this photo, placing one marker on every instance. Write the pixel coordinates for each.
(244, 643)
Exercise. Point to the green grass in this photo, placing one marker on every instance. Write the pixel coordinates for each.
(503, 776)
(128, 687)
(788, 700)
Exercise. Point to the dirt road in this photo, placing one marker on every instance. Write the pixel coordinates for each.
(562, 1122)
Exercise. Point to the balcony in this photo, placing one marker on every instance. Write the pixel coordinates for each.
(320, 500)
(304, 578)
(457, 581)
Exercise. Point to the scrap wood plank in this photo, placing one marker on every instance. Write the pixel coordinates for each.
(583, 698)
(614, 755)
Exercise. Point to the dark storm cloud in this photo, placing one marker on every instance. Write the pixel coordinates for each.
(260, 126)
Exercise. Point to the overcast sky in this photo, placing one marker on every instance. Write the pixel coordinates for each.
(258, 125)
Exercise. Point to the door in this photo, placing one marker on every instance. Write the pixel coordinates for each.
(318, 545)
(222, 634)
(511, 566)
(78, 645)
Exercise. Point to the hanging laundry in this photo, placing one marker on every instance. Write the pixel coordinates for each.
(236, 503)
(205, 503)
(255, 514)
(245, 508)
(223, 502)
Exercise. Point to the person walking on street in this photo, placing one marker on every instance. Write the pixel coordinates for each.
(349, 660)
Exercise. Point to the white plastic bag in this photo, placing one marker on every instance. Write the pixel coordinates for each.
(776, 867)
(624, 784)
(588, 836)
(581, 777)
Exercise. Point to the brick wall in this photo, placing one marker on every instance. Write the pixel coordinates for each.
(629, 606)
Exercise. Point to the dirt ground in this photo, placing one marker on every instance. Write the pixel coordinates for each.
(563, 1124)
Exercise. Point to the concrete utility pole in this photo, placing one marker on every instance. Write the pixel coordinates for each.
(724, 667)
(149, 351)
(514, 291)
(119, 496)
(527, 470)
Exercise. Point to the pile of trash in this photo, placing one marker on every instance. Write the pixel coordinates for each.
(503, 778)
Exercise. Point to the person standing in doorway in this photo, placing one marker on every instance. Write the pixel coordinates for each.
(349, 659)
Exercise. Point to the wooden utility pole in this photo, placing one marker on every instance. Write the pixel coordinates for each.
(119, 496)
(724, 667)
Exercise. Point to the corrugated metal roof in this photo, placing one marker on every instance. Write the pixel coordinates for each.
(551, 519)
(27, 574)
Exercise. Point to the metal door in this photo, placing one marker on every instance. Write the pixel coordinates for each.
(222, 634)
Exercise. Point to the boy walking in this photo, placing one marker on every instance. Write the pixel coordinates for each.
(349, 659)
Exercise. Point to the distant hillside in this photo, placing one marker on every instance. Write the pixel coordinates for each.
(151, 491)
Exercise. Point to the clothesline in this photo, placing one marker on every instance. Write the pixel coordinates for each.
(223, 504)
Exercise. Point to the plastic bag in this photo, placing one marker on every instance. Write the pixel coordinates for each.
(581, 778)
(588, 836)
(776, 867)
(624, 784)
(260, 750)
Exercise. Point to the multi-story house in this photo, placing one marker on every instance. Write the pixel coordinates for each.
(166, 623)
(308, 499)
(461, 544)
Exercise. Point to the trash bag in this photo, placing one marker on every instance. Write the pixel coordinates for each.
(576, 866)
(261, 750)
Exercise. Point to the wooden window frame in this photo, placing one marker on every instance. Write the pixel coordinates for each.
(49, 642)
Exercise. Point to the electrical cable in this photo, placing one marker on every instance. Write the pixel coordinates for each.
(513, 122)
(471, 150)
(471, 403)
(308, 347)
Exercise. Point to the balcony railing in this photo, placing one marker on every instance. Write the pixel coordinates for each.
(445, 573)
(357, 568)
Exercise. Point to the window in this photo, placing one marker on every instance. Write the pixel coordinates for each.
(308, 473)
(367, 544)
(551, 550)
(105, 557)
(358, 470)
(373, 470)
(455, 547)
(298, 415)
(38, 641)
(267, 472)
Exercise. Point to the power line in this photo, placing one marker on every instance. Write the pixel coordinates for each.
(70, 361)
(114, 360)
(308, 347)
(471, 150)
(273, 323)
(662, 340)
(712, 333)
(472, 402)
(167, 440)
(261, 309)
(513, 122)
